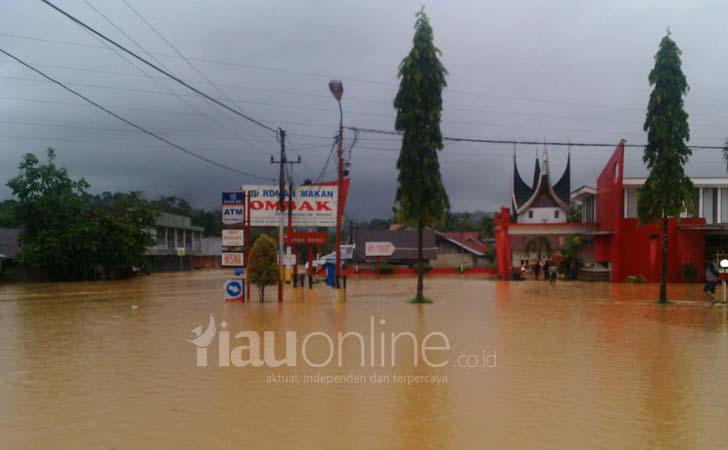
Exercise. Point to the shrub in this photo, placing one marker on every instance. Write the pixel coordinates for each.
(689, 272)
(427, 266)
(386, 268)
(636, 279)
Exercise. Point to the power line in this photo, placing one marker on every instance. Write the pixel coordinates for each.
(155, 80)
(356, 80)
(128, 122)
(520, 142)
(157, 68)
(179, 53)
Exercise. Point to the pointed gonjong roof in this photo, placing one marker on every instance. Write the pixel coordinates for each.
(542, 192)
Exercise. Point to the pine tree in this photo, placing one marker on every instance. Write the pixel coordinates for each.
(421, 198)
(667, 191)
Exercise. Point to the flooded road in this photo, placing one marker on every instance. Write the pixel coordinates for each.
(108, 365)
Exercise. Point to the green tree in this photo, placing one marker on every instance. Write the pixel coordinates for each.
(66, 234)
(263, 264)
(487, 226)
(575, 212)
(122, 232)
(421, 198)
(50, 210)
(7, 214)
(667, 190)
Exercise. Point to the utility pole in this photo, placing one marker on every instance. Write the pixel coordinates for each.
(290, 206)
(337, 90)
(281, 202)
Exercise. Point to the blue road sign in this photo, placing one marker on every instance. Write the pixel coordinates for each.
(233, 290)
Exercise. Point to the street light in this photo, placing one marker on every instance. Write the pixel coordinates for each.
(337, 90)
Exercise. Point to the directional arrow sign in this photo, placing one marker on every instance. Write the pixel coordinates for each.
(379, 249)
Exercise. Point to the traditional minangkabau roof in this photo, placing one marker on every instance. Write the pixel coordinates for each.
(542, 192)
(521, 191)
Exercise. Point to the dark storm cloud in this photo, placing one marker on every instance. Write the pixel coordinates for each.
(536, 70)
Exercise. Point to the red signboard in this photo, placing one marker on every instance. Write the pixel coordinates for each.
(307, 238)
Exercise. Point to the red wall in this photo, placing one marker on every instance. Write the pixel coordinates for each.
(610, 202)
(640, 250)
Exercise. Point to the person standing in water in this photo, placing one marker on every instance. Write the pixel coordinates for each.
(711, 279)
(552, 273)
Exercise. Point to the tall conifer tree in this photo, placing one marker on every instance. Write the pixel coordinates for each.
(667, 191)
(421, 197)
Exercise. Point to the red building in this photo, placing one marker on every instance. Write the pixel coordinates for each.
(609, 226)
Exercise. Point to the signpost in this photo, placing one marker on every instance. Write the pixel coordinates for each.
(181, 252)
(289, 259)
(233, 208)
(233, 238)
(234, 290)
(377, 250)
(232, 259)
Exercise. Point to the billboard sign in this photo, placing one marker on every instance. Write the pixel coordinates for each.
(232, 259)
(233, 208)
(379, 249)
(307, 238)
(313, 205)
(233, 238)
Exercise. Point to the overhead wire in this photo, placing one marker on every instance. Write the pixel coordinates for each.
(526, 142)
(153, 79)
(157, 68)
(178, 52)
(127, 121)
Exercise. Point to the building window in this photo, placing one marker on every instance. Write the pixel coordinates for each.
(723, 205)
(530, 214)
(556, 214)
(710, 205)
(631, 200)
(161, 237)
(696, 203)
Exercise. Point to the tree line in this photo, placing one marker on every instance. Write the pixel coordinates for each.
(68, 233)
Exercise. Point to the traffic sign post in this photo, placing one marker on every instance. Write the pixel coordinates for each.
(234, 290)
(379, 249)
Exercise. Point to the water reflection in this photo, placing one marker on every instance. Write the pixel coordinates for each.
(578, 366)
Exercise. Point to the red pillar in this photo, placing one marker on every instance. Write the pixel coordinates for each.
(503, 243)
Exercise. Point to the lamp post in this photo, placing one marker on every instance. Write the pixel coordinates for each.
(337, 90)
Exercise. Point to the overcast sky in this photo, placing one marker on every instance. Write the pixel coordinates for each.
(537, 70)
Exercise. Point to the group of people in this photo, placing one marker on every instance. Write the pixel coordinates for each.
(549, 268)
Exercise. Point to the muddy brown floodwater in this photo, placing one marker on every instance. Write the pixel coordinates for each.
(577, 366)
